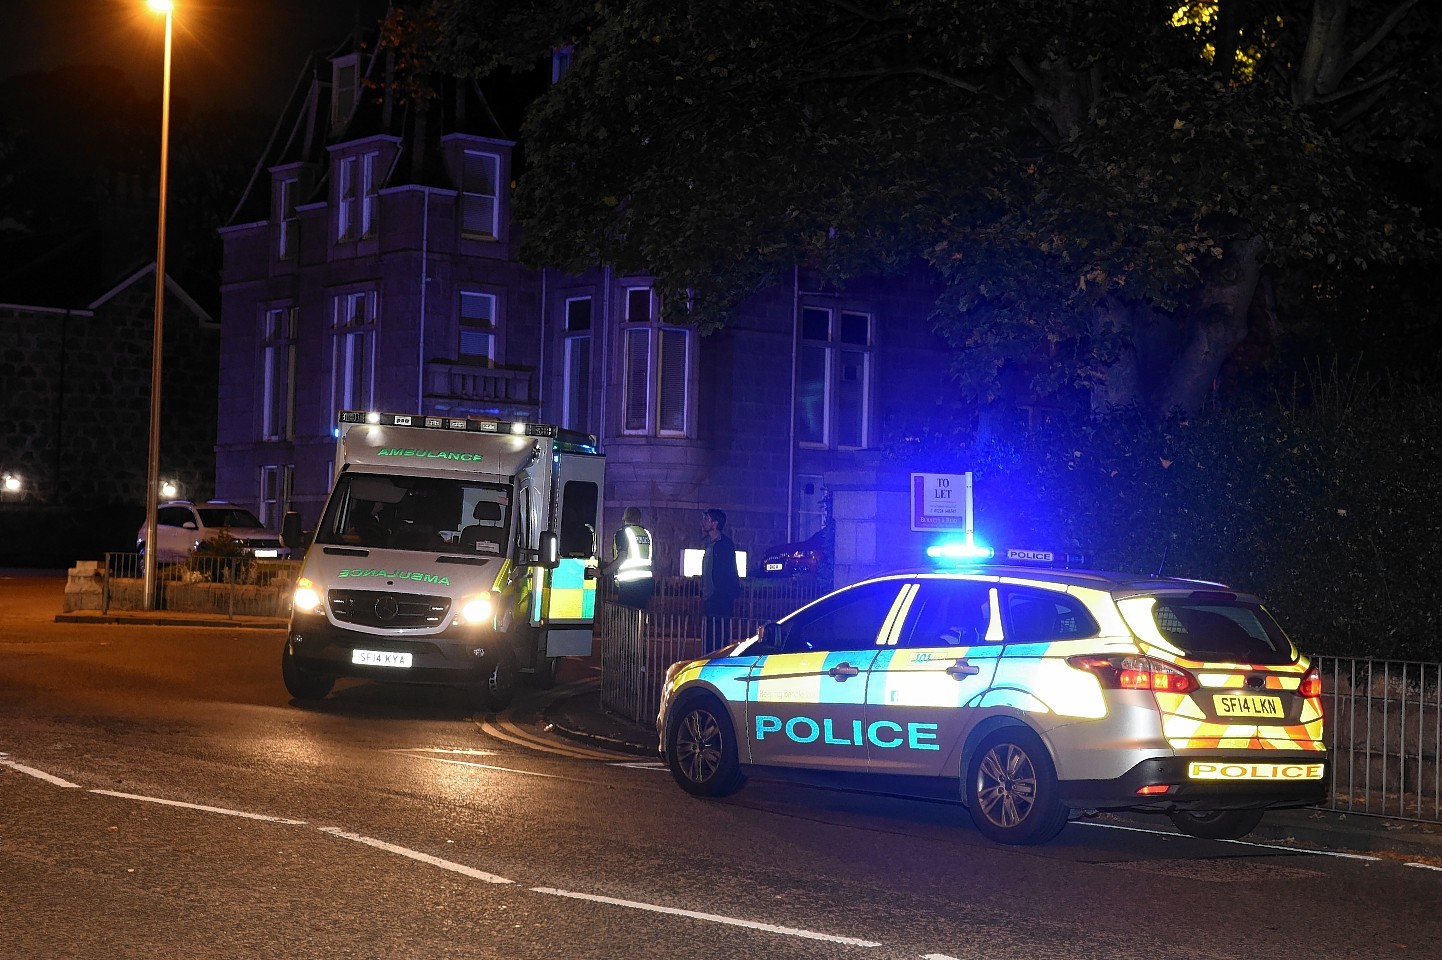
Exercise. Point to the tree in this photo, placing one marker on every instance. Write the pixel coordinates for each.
(1110, 196)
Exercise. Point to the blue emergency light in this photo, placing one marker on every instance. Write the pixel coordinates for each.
(968, 552)
(959, 551)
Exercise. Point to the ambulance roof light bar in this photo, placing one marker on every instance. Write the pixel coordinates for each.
(518, 428)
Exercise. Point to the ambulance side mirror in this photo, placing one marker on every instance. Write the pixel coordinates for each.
(291, 533)
(549, 554)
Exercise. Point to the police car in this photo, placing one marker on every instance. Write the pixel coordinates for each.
(1037, 691)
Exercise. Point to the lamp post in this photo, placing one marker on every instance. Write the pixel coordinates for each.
(157, 349)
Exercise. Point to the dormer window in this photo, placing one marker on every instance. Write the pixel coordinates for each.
(345, 80)
(285, 218)
(480, 207)
(356, 196)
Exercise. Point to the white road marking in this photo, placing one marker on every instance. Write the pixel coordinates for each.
(491, 766)
(38, 774)
(460, 868)
(712, 917)
(198, 806)
(1242, 843)
(643, 765)
(511, 733)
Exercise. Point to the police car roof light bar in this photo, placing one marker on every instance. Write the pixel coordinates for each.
(974, 553)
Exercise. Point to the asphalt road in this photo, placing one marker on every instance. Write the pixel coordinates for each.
(161, 797)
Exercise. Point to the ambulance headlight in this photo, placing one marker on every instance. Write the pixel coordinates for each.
(306, 598)
(478, 609)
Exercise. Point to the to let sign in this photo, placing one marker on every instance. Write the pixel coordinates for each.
(941, 501)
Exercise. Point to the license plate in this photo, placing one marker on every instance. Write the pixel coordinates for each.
(772, 567)
(267, 554)
(380, 658)
(1222, 770)
(1242, 705)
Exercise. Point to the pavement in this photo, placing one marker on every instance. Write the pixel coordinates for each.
(581, 716)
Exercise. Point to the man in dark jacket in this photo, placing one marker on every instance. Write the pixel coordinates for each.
(720, 582)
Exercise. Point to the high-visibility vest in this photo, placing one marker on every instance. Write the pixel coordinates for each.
(636, 564)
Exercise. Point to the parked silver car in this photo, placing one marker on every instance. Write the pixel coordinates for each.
(183, 525)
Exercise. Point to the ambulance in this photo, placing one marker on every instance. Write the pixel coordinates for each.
(452, 550)
(1032, 691)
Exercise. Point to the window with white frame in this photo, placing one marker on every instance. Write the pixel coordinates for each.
(657, 369)
(356, 196)
(833, 377)
(278, 373)
(353, 351)
(275, 486)
(478, 327)
(561, 61)
(345, 77)
(576, 390)
(480, 194)
(285, 218)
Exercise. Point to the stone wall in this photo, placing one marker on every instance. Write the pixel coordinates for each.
(74, 422)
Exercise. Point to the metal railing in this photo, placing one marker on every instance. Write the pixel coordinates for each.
(637, 647)
(233, 586)
(1384, 728)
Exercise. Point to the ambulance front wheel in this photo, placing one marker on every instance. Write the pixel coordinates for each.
(301, 683)
(1011, 789)
(701, 749)
(1216, 824)
(500, 676)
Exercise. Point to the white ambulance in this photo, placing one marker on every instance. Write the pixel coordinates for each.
(454, 551)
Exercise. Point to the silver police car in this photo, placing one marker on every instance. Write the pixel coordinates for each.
(1034, 692)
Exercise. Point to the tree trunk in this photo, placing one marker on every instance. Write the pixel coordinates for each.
(1120, 386)
(1217, 327)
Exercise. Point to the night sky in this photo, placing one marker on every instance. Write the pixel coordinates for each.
(232, 53)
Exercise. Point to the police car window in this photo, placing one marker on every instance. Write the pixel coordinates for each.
(1230, 631)
(1042, 617)
(949, 613)
(851, 620)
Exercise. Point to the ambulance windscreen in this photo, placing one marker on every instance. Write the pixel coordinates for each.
(429, 514)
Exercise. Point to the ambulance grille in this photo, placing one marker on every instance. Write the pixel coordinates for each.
(380, 608)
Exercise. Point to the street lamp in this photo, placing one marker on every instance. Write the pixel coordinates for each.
(157, 348)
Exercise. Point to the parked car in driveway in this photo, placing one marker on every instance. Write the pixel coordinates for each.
(800, 559)
(183, 525)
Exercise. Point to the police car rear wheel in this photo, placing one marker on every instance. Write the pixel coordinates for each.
(701, 750)
(301, 683)
(1216, 824)
(1012, 791)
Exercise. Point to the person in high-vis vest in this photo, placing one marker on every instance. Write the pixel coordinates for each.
(630, 564)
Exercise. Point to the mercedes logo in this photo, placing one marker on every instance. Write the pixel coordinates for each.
(387, 607)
